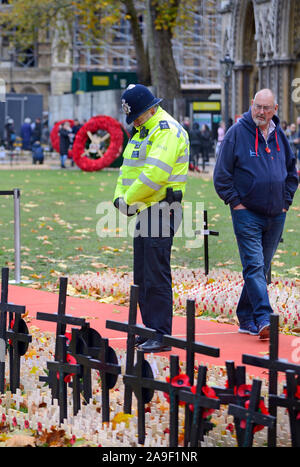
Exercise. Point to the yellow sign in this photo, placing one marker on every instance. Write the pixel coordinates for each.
(100, 80)
(210, 105)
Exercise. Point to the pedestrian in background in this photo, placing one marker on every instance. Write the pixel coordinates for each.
(221, 134)
(195, 146)
(65, 135)
(206, 144)
(37, 153)
(10, 134)
(36, 130)
(255, 174)
(26, 133)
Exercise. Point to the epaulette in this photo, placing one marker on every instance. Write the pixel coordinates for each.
(164, 125)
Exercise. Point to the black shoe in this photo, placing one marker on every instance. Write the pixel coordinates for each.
(139, 340)
(152, 345)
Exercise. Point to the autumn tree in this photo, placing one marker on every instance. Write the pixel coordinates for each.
(155, 60)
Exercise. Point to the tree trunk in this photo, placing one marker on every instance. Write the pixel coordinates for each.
(164, 74)
(143, 67)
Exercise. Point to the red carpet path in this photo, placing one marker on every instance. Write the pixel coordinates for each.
(224, 336)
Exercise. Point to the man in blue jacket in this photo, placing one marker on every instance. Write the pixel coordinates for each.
(255, 174)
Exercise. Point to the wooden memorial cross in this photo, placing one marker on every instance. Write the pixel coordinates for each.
(132, 329)
(143, 385)
(192, 347)
(292, 403)
(235, 377)
(19, 338)
(200, 402)
(231, 394)
(106, 363)
(62, 319)
(274, 365)
(206, 232)
(60, 369)
(85, 343)
(5, 308)
(251, 415)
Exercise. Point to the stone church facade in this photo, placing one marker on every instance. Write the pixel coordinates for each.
(262, 37)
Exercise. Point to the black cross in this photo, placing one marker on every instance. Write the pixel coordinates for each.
(200, 402)
(19, 339)
(61, 368)
(5, 308)
(106, 363)
(251, 414)
(274, 365)
(236, 376)
(292, 404)
(206, 232)
(62, 320)
(191, 348)
(132, 329)
(143, 384)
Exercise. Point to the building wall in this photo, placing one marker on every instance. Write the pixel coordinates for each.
(263, 39)
(84, 106)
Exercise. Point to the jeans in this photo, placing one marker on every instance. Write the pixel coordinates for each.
(257, 238)
(63, 159)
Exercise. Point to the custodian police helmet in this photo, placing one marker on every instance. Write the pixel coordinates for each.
(136, 100)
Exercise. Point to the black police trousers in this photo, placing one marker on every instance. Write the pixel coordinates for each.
(153, 239)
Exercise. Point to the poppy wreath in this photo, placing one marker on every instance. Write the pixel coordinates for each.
(114, 149)
(54, 135)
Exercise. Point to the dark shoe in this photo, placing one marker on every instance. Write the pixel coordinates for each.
(248, 328)
(152, 345)
(264, 330)
(139, 340)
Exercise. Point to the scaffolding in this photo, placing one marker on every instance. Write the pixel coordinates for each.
(197, 50)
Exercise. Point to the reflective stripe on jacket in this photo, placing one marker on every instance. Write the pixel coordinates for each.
(155, 158)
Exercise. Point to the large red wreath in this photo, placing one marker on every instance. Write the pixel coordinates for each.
(113, 130)
(54, 135)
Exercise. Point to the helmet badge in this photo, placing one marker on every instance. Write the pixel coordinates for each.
(126, 107)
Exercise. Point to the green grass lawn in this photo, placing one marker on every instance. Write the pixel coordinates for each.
(59, 222)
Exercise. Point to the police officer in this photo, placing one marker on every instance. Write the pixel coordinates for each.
(152, 183)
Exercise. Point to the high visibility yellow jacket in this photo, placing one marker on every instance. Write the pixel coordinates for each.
(155, 158)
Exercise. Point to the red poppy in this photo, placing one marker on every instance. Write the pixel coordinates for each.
(180, 381)
(208, 392)
(114, 149)
(72, 360)
(3, 417)
(297, 393)
(26, 424)
(68, 335)
(230, 427)
(262, 408)
(12, 323)
(244, 390)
